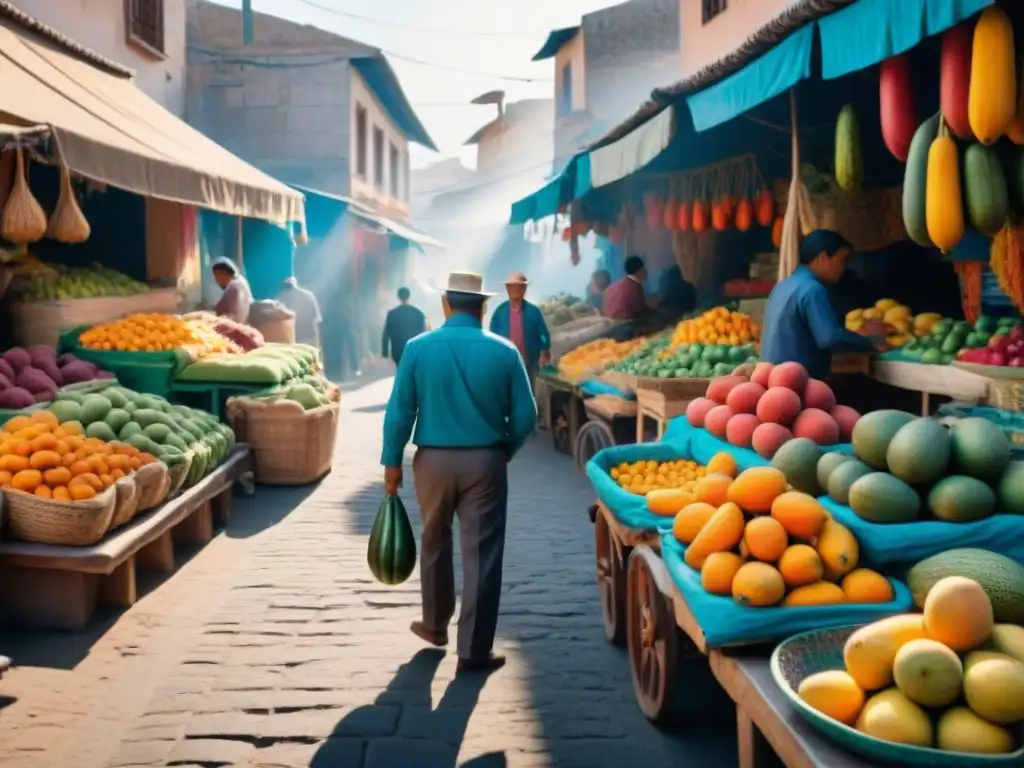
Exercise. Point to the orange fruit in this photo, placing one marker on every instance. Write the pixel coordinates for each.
(134, 463)
(23, 449)
(47, 418)
(17, 424)
(60, 493)
(713, 489)
(107, 480)
(80, 468)
(81, 492)
(27, 480)
(98, 464)
(43, 492)
(88, 478)
(5, 477)
(117, 474)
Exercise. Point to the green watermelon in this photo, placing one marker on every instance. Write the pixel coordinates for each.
(980, 449)
(1011, 489)
(961, 499)
(391, 550)
(919, 452)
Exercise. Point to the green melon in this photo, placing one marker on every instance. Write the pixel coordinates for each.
(919, 452)
(116, 396)
(1000, 577)
(985, 192)
(94, 408)
(100, 430)
(66, 410)
(116, 419)
(882, 498)
(843, 477)
(873, 433)
(961, 499)
(798, 460)
(980, 449)
(1011, 488)
(827, 464)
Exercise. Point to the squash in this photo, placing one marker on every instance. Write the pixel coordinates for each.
(391, 550)
(668, 501)
(800, 565)
(718, 572)
(896, 105)
(713, 489)
(721, 533)
(744, 217)
(690, 519)
(838, 549)
(764, 208)
(756, 489)
(915, 182)
(955, 78)
(985, 192)
(799, 514)
(757, 585)
(700, 216)
(766, 539)
(720, 216)
(777, 231)
(819, 593)
(849, 159)
(992, 102)
(671, 214)
(683, 217)
(943, 205)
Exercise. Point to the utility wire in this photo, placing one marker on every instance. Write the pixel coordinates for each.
(418, 28)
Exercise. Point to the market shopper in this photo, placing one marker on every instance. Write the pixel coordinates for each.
(523, 324)
(308, 320)
(467, 393)
(402, 323)
(237, 297)
(800, 324)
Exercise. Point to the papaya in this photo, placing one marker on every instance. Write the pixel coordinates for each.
(700, 216)
(764, 208)
(915, 182)
(944, 211)
(849, 158)
(955, 78)
(985, 190)
(671, 214)
(992, 101)
(896, 105)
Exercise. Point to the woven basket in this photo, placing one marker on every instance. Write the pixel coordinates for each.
(154, 484)
(290, 446)
(126, 505)
(67, 523)
(819, 650)
(1007, 394)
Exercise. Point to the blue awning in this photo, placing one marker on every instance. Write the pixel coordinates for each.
(572, 183)
(555, 41)
(871, 31)
(762, 79)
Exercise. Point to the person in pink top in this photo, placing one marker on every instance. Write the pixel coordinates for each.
(522, 323)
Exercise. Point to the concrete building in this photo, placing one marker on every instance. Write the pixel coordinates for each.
(710, 30)
(305, 105)
(146, 36)
(608, 65)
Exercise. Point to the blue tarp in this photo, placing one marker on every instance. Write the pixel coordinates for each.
(593, 387)
(764, 78)
(559, 191)
(724, 622)
(871, 31)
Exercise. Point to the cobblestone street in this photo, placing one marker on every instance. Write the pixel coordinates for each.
(273, 646)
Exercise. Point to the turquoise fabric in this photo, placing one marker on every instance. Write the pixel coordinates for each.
(535, 329)
(572, 183)
(766, 77)
(911, 542)
(462, 387)
(871, 31)
(593, 387)
(724, 622)
(581, 181)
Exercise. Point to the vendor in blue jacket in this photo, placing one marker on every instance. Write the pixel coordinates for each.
(523, 324)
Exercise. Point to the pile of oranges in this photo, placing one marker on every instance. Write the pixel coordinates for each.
(595, 356)
(55, 461)
(155, 332)
(717, 326)
(642, 477)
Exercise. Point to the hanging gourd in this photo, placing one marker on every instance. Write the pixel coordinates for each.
(67, 223)
(915, 182)
(744, 216)
(849, 160)
(992, 103)
(764, 207)
(23, 220)
(683, 217)
(777, 232)
(955, 78)
(720, 216)
(944, 209)
(896, 105)
(670, 215)
(700, 216)
(985, 193)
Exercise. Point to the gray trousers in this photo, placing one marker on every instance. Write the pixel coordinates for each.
(472, 483)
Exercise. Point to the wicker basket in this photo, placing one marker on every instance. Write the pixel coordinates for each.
(154, 483)
(126, 491)
(1007, 394)
(290, 446)
(67, 523)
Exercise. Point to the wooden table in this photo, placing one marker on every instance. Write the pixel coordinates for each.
(655, 405)
(945, 380)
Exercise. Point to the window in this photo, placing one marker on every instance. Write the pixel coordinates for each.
(565, 98)
(361, 148)
(711, 8)
(378, 157)
(393, 161)
(144, 22)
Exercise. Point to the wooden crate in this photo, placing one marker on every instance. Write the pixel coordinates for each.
(673, 389)
(657, 406)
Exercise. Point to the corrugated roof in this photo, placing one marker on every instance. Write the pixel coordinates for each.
(31, 23)
(555, 41)
(382, 80)
(796, 16)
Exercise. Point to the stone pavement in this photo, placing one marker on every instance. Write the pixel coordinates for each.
(273, 646)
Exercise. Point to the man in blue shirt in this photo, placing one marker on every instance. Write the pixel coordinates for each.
(468, 395)
(523, 324)
(800, 324)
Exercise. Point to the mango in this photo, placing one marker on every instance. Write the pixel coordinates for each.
(958, 613)
(870, 652)
(1008, 639)
(960, 730)
(891, 716)
(994, 686)
(929, 673)
(833, 693)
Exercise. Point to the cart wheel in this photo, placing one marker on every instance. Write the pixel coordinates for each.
(652, 643)
(611, 583)
(593, 436)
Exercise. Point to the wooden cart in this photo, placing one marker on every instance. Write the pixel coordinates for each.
(610, 421)
(561, 404)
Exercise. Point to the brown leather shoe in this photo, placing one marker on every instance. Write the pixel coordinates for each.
(438, 639)
(489, 663)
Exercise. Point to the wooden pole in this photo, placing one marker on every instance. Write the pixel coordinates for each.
(239, 249)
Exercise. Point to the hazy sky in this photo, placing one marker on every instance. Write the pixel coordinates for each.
(459, 37)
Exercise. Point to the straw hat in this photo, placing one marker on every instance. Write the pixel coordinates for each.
(465, 282)
(517, 278)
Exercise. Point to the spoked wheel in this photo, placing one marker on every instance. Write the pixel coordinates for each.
(611, 583)
(652, 642)
(594, 436)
